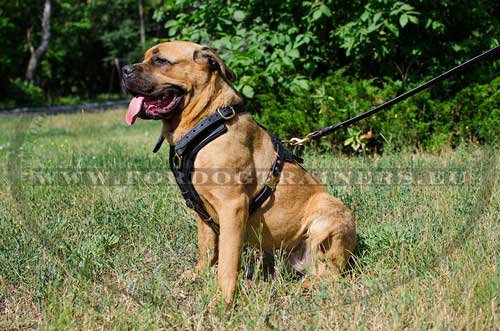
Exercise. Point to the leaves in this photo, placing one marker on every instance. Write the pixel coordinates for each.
(319, 10)
(403, 20)
(239, 15)
(277, 47)
(247, 91)
(377, 29)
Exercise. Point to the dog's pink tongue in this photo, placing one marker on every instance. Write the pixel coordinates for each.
(134, 107)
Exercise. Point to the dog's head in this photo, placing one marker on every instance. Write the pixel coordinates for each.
(168, 78)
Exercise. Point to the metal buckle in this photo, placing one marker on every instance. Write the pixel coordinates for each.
(177, 161)
(272, 181)
(233, 114)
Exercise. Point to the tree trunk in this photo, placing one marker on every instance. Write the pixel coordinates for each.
(37, 54)
(142, 30)
(119, 71)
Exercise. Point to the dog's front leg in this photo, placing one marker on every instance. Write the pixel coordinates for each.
(232, 219)
(207, 246)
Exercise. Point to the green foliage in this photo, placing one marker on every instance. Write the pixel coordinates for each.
(85, 38)
(470, 116)
(290, 58)
(377, 29)
(354, 139)
(25, 93)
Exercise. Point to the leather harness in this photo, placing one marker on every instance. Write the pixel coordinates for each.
(183, 155)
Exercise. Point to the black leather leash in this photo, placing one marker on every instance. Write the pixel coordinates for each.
(315, 135)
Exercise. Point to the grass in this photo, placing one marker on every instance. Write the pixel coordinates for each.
(110, 256)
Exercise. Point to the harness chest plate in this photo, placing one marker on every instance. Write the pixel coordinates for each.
(183, 155)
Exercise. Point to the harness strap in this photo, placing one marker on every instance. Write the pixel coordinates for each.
(282, 155)
(183, 155)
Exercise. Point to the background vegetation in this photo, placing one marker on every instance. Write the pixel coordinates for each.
(302, 65)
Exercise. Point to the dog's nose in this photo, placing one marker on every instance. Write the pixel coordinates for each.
(128, 70)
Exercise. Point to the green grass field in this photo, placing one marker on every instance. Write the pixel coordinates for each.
(75, 255)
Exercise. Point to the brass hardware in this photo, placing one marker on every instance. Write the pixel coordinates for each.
(177, 161)
(233, 114)
(298, 141)
(272, 181)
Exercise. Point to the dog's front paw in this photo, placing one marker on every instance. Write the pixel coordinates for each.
(309, 282)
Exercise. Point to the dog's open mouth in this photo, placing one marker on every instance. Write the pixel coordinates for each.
(155, 108)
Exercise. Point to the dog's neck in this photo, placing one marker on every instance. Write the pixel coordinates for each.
(217, 94)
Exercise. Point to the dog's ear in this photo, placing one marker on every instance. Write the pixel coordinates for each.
(207, 55)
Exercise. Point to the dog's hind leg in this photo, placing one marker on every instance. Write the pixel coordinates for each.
(330, 237)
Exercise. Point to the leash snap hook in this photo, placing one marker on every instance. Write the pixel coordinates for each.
(298, 141)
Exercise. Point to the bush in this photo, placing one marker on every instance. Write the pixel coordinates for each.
(306, 65)
(23, 93)
(472, 116)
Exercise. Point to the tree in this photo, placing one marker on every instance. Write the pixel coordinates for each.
(142, 30)
(37, 54)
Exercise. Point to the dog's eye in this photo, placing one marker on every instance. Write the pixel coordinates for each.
(158, 61)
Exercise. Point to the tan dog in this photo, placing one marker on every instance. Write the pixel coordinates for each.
(181, 83)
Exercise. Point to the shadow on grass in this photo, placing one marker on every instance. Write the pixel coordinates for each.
(262, 264)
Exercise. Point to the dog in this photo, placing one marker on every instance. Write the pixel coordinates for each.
(181, 83)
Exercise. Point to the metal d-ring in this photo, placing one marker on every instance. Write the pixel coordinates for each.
(177, 161)
(233, 114)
